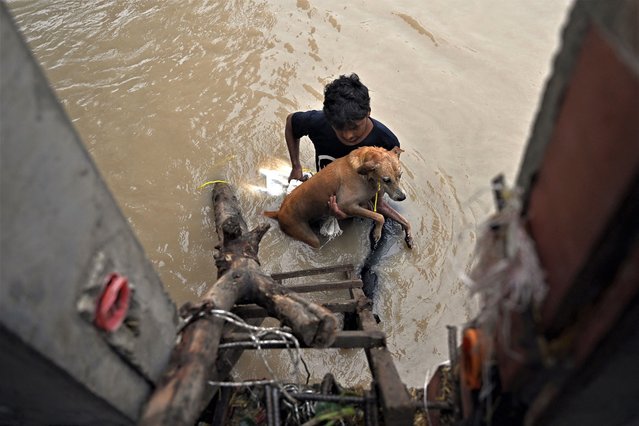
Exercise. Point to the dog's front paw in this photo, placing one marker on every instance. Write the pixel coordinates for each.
(409, 240)
(376, 237)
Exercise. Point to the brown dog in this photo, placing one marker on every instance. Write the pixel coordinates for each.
(354, 180)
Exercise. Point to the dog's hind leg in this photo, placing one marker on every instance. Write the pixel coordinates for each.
(301, 231)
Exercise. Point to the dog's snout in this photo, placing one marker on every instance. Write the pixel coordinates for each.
(399, 195)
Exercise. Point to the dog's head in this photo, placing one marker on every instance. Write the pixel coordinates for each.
(381, 167)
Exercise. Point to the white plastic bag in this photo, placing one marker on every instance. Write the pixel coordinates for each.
(330, 228)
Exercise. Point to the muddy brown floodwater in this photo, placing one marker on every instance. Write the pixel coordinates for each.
(168, 95)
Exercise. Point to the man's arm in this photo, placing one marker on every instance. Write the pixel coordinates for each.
(293, 145)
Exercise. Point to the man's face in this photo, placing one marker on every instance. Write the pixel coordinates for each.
(354, 132)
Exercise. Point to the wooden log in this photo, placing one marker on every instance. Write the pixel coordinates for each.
(180, 396)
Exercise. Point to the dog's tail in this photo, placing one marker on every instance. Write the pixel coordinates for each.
(271, 214)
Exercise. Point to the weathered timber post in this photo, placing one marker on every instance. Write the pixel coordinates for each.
(179, 399)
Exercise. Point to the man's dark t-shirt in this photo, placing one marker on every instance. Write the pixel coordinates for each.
(327, 146)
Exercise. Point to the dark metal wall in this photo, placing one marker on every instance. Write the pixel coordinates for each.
(62, 234)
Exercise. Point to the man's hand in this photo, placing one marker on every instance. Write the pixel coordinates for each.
(293, 145)
(296, 173)
(334, 209)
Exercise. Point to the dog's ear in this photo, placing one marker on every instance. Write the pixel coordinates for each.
(397, 150)
(367, 167)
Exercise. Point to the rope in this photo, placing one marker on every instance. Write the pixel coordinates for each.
(257, 335)
(211, 182)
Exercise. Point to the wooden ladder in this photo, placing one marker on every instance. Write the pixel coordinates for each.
(391, 394)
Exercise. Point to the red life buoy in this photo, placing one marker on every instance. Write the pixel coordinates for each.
(113, 304)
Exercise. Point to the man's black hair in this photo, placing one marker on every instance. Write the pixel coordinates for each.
(346, 101)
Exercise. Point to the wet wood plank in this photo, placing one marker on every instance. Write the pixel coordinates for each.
(325, 286)
(396, 404)
(315, 271)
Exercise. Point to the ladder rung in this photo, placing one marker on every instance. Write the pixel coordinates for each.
(314, 271)
(325, 286)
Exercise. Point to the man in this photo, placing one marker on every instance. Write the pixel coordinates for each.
(342, 126)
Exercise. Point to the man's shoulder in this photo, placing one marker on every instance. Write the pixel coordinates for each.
(384, 134)
(308, 122)
(382, 127)
(311, 116)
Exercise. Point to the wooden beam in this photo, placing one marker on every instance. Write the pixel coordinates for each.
(315, 271)
(325, 286)
(397, 407)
